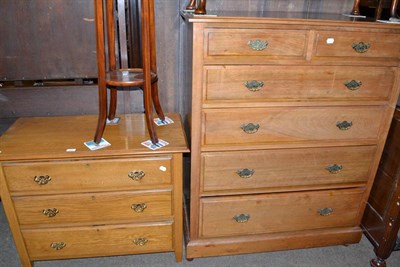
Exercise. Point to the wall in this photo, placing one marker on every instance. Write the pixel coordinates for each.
(52, 31)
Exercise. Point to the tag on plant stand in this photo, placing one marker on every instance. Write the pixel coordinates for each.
(93, 146)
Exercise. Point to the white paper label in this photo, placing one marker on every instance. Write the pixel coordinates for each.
(330, 40)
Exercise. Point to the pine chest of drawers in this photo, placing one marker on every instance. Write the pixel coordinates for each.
(288, 121)
(64, 201)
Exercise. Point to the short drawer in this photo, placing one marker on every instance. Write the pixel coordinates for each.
(283, 169)
(93, 208)
(244, 126)
(87, 175)
(63, 243)
(257, 214)
(278, 83)
(254, 45)
(351, 46)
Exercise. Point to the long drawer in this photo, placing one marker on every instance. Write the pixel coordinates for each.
(272, 213)
(284, 169)
(286, 83)
(87, 175)
(97, 207)
(61, 243)
(282, 125)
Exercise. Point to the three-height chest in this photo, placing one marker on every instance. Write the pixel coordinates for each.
(64, 201)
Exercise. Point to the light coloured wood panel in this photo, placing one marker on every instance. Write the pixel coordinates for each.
(50, 137)
(382, 46)
(93, 208)
(98, 240)
(284, 169)
(290, 125)
(279, 212)
(87, 175)
(272, 242)
(285, 83)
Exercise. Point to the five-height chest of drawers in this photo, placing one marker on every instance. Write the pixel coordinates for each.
(64, 201)
(288, 121)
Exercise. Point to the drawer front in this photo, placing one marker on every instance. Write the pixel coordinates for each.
(98, 241)
(249, 215)
(267, 83)
(96, 207)
(90, 175)
(280, 125)
(285, 168)
(353, 46)
(254, 45)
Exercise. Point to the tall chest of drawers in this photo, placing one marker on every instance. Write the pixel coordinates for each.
(64, 201)
(288, 121)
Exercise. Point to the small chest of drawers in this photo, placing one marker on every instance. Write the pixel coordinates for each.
(288, 122)
(119, 200)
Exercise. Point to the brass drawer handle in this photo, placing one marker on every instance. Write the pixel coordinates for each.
(50, 212)
(353, 85)
(245, 173)
(334, 168)
(241, 218)
(57, 245)
(325, 211)
(139, 207)
(344, 125)
(257, 45)
(141, 241)
(42, 179)
(250, 128)
(254, 86)
(136, 175)
(361, 47)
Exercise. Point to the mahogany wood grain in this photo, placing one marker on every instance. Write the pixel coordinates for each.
(381, 221)
(201, 7)
(114, 78)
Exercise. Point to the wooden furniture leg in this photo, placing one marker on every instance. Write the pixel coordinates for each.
(113, 104)
(156, 101)
(356, 7)
(101, 123)
(147, 62)
(393, 8)
(153, 63)
(378, 10)
(111, 76)
(378, 262)
(111, 55)
(191, 5)
(201, 7)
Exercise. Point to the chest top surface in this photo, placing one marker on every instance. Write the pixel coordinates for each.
(54, 137)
